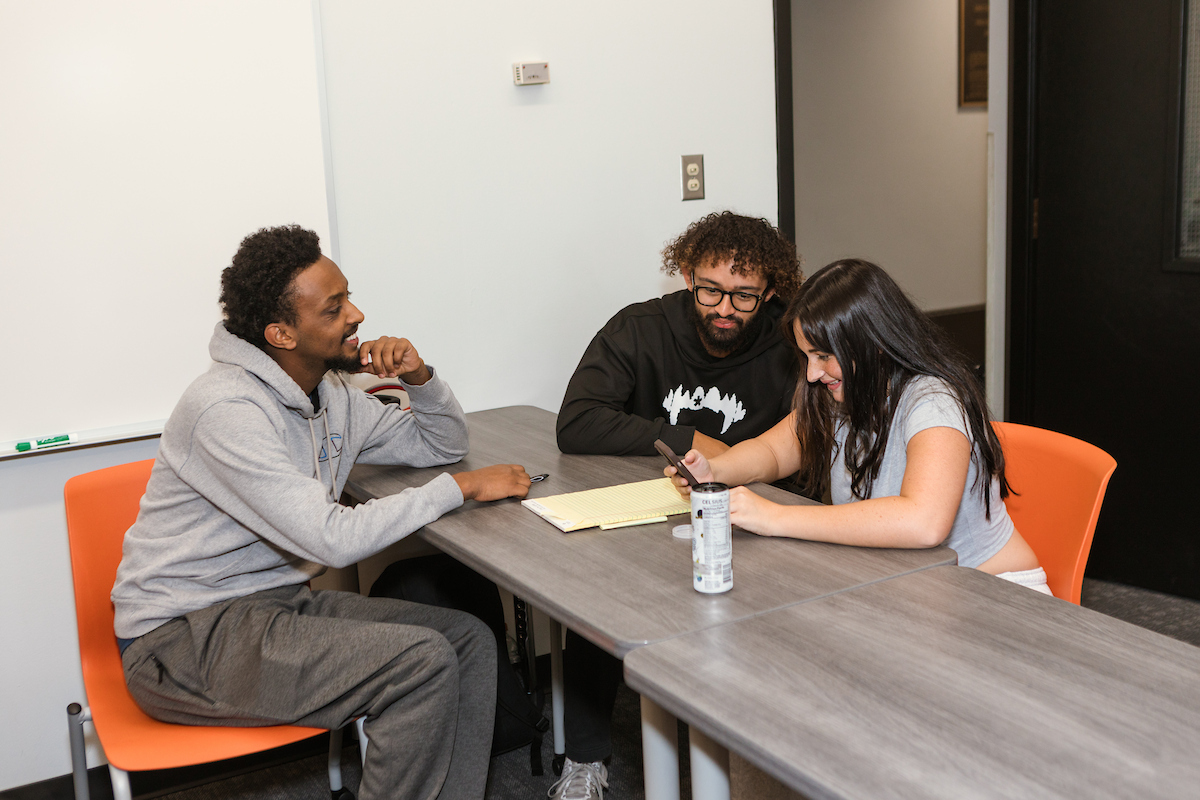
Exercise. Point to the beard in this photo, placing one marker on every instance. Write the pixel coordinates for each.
(343, 364)
(720, 341)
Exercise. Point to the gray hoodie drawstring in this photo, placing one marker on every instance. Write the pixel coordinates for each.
(329, 458)
(312, 434)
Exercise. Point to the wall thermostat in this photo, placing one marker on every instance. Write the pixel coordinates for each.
(526, 73)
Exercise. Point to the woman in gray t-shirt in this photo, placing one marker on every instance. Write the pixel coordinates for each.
(891, 422)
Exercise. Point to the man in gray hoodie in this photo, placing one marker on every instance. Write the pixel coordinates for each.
(213, 614)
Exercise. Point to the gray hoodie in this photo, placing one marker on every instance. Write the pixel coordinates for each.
(243, 494)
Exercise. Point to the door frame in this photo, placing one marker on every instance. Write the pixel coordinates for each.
(785, 141)
(1022, 209)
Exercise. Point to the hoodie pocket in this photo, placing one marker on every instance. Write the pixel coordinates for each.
(254, 557)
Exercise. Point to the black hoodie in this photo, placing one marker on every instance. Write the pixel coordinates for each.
(647, 376)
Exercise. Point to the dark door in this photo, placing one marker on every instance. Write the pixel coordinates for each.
(1104, 329)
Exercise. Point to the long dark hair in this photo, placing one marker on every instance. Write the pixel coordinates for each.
(855, 311)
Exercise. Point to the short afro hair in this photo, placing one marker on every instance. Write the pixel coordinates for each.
(754, 244)
(256, 289)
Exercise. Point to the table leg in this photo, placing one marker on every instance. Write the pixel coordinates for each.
(556, 694)
(710, 767)
(660, 752)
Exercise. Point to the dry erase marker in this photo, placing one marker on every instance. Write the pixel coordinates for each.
(53, 441)
(541, 477)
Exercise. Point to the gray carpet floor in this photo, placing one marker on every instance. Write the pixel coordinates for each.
(510, 777)
(1172, 616)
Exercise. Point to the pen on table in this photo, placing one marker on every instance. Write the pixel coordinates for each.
(542, 477)
(51, 441)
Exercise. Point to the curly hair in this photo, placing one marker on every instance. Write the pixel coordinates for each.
(256, 289)
(754, 244)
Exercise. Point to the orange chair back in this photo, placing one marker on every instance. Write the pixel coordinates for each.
(101, 506)
(1058, 484)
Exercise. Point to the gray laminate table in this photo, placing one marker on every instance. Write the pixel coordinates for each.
(627, 587)
(943, 683)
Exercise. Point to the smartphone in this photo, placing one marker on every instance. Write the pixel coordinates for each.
(675, 461)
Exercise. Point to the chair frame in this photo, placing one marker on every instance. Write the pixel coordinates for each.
(100, 504)
(1093, 467)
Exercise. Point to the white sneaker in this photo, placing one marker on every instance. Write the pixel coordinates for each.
(580, 781)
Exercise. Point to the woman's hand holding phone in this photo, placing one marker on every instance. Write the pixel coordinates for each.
(691, 470)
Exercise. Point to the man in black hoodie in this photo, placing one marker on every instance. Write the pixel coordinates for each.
(705, 367)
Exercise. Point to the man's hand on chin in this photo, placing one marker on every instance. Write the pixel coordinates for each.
(389, 357)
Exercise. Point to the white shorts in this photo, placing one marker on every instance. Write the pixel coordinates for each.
(1033, 578)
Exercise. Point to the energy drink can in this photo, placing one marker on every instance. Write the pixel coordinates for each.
(712, 539)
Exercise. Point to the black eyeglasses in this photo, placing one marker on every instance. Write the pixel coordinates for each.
(712, 296)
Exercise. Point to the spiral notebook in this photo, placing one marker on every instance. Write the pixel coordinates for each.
(612, 506)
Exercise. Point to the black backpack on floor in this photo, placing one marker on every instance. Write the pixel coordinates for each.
(439, 580)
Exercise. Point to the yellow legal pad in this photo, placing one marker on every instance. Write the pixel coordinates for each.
(610, 506)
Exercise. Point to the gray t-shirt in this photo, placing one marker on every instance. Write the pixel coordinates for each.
(928, 403)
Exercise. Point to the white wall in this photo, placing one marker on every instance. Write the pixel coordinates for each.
(39, 672)
(888, 167)
(497, 226)
(500, 226)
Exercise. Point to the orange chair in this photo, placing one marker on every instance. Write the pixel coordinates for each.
(101, 506)
(1058, 485)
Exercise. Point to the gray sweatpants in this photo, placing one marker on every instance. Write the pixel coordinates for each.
(424, 677)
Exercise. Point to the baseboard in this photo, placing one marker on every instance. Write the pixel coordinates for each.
(147, 785)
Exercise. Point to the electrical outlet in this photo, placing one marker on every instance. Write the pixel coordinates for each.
(693, 177)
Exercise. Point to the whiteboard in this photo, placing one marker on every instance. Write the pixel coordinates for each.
(139, 142)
